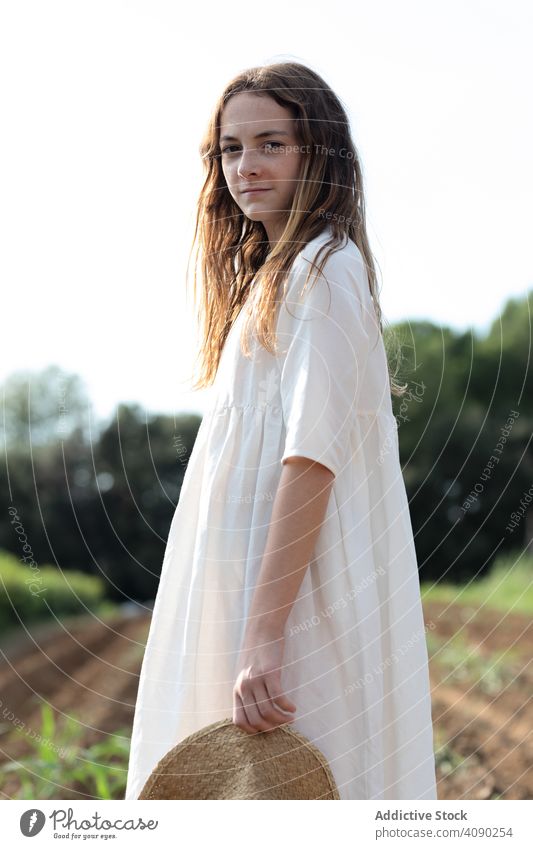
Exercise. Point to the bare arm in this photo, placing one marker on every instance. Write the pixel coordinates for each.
(297, 515)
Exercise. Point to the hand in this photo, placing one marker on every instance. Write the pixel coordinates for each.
(258, 703)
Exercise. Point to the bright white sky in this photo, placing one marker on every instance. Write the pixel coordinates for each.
(103, 104)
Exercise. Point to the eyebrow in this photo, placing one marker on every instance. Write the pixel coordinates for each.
(258, 135)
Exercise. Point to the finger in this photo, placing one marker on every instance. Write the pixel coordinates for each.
(239, 715)
(270, 711)
(251, 708)
(251, 719)
(276, 694)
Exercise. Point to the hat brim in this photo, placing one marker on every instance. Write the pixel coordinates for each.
(222, 761)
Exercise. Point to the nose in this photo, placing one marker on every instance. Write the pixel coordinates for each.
(248, 162)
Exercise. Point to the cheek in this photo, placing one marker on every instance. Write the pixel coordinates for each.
(229, 177)
(291, 169)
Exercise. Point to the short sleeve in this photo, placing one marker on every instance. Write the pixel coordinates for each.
(324, 344)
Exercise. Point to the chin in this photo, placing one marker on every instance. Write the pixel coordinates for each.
(256, 215)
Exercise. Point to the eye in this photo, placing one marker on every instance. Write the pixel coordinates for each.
(229, 147)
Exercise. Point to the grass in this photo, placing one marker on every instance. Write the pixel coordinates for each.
(508, 585)
(69, 769)
(447, 760)
(465, 663)
(45, 592)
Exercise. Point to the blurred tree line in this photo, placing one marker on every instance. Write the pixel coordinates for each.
(96, 497)
(465, 426)
(99, 497)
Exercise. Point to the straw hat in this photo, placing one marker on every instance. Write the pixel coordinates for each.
(222, 761)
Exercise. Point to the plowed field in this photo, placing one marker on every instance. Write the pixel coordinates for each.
(480, 668)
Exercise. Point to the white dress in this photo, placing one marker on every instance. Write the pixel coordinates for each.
(355, 662)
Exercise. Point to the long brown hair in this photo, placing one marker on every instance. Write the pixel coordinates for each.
(232, 250)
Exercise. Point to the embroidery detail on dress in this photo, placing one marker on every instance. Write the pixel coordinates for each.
(268, 387)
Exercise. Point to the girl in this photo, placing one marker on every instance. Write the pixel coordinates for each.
(289, 589)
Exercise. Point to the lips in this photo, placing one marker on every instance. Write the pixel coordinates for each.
(253, 191)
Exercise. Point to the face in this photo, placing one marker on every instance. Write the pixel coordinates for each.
(259, 151)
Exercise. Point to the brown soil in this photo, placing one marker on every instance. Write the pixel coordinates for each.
(89, 669)
(492, 733)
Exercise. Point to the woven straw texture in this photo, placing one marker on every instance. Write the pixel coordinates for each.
(221, 761)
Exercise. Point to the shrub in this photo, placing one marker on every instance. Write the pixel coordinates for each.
(38, 593)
